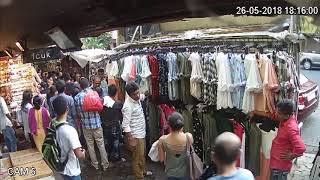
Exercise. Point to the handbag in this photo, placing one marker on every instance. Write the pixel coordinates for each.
(194, 162)
(154, 152)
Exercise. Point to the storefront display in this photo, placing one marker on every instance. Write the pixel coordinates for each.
(15, 78)
(20, 80)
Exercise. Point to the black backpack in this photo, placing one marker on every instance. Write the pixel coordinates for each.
(51, 150)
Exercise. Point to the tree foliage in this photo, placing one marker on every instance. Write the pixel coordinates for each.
(100, 42)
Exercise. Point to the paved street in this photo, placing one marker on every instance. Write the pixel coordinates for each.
(310, 130)
(310, 135)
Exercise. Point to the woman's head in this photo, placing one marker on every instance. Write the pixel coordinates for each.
(176, 121)
(26, 97)
(37, 101)
(50, 81)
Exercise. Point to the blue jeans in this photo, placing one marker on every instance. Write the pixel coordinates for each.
(66, 177)
(112, 136)
(10, 138)
(278, 175)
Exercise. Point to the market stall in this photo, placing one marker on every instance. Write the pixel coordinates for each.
(215, 80)
(15, 78)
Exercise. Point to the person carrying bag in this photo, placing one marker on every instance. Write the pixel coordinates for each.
(194, 162)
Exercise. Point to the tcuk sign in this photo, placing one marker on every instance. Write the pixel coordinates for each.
(45, 54)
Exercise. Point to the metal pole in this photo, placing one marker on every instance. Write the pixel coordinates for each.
(134, 34)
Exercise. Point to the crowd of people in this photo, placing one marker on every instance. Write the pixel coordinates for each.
(63, 103)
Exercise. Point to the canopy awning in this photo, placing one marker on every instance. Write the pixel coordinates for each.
(89, 55)
(30, 19)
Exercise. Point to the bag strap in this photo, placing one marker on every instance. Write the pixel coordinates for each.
(188, 144)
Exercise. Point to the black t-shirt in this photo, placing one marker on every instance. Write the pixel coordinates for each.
(111, 116)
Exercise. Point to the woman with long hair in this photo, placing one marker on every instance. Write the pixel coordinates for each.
(52, 92)
(39, 119)
(173, 149)
(26, 105)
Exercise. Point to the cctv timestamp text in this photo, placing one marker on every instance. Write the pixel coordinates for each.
(269, 10)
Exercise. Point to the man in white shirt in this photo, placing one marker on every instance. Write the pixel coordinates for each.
(67, 138)
(6, 126)
(135, 128)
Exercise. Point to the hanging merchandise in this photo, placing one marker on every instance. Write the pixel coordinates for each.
(163, 76)
(154, 67)
(172, 76)
(145, 75)
(224, 82)
(184, 67)
(210, 79)
(254, 83)
(214, 82)
(238, 79)
(196, 76)
(128, 64)
(264, 101)
(287, 76)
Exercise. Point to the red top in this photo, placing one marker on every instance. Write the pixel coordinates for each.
(287, 139)
(154, 68)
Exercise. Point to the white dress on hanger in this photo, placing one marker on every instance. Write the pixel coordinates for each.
(196, 75)
(145, 75)
(224, 82)
(112, 69)
(127, 68)
(254, 83)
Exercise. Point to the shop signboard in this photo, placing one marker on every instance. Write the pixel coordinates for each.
(44, 54)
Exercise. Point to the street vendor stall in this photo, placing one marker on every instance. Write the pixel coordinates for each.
(215, 78)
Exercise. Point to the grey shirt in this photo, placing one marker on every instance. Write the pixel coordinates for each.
(72, 114)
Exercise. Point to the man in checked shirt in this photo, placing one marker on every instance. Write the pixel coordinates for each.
(92, 128)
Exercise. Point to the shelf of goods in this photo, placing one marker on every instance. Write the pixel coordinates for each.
(20, 80)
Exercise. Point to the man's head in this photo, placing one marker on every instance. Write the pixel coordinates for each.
(285, 109)
(133, 90)
(112, 90)
(84, 83)
(77, 77)
(99, 91)
(66, 77)
(60, 106)
(96, 82)
(61, 86)
(176, 121)
(101, 73)
(226, 149)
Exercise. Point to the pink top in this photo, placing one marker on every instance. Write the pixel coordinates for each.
(287, 139)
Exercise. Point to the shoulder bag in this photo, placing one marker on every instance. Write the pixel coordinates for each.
(194, 162)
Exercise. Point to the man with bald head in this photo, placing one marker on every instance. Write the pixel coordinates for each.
(226, 152)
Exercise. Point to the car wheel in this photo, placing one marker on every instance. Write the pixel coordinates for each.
(307, 64)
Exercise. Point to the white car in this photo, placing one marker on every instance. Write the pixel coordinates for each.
(310, 60)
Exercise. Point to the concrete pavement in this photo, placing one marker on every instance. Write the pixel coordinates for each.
(310, 135)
